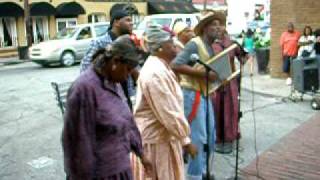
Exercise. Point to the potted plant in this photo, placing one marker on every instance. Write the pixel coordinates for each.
(262, 48)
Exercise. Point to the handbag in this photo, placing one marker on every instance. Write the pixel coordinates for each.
(305, 53)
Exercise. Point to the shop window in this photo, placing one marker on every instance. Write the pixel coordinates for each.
(8, 32)
(40, 31)
(99, 17)
(63, 23)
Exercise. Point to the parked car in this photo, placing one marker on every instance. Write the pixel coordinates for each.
(69, 46)
(166, 20)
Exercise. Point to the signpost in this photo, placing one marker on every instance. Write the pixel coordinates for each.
(28, 24)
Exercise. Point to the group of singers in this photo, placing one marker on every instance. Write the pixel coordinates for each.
(106, 136)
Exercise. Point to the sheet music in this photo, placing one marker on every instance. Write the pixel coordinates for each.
(221, 64)
(222, 67)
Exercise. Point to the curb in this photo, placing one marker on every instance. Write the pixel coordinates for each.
(8, 63)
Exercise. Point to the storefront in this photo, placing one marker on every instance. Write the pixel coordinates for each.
(67, 14)
(170, 7)
(50, 17)
(9, 13)
(97, 17)
(40, 13)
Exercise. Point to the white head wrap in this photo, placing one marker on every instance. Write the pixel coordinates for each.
(155, 36)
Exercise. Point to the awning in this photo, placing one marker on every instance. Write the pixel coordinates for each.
(10, 9)
(130, 8)
(69, 9)
(171, 8)
(42, 9)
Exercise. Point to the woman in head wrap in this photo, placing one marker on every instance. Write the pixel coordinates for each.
(159, 111)
(99, 130)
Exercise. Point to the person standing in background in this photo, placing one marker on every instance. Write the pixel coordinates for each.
(317, 43)
(306, 42)
(248, 45)
(225, 100)
(289, 49)
(183, 35)
(120, 24)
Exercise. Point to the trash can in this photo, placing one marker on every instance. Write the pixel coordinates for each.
(262, 56)
(23, 52)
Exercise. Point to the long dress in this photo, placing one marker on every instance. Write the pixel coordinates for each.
(225, 100)
(99, 131)
(159, 115)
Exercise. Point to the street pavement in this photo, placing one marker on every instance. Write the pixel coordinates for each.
(268, 116)
(31, 122)
(295, 156)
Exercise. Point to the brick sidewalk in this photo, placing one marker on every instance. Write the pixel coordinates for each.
(296, 156)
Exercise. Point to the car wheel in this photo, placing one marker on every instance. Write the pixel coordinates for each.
(315, 104)
(67, 58)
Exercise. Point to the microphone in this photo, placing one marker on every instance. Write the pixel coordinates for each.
(196, 59)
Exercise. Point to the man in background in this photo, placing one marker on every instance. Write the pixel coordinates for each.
(120, 24)
(289, 48)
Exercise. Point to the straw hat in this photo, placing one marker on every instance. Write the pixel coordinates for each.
(207, 18)
(179, 27)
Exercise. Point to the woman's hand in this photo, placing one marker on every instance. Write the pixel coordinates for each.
(147, 165)
(191, 149)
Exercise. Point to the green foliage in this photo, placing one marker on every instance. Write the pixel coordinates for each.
(262, 41)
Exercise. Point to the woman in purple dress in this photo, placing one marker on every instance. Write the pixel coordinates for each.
(99, 131)
(225, 100)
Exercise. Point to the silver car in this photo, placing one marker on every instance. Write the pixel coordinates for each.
(69, 46)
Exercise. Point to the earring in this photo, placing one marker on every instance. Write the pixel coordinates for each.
(160, 49)
(113, 67)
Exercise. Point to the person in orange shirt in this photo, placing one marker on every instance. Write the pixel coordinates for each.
(289, 48)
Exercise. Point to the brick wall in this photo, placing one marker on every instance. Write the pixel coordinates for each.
(301, 13)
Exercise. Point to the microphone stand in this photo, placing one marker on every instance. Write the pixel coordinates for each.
(207, 148)
(208, 69)
(239, 110)
(239, 116)
(207, 122)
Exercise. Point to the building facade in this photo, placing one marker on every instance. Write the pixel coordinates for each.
(50, 16)
(301, 13)
(210, 4)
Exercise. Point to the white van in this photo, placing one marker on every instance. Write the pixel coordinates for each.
(68, 46)
(166, 20)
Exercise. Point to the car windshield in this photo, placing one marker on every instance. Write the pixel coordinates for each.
(101, 30)
(66, 33)
(160, 21)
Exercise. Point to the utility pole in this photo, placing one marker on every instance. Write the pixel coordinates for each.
(28, 22)
(205, 5)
